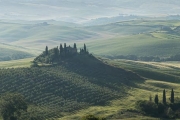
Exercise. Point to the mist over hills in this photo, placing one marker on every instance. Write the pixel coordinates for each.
(79, 11)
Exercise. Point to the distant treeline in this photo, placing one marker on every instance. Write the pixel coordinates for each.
(146, 58)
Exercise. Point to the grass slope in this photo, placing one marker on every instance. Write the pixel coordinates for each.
(140, 45)
(163, 75)
(141, 38)
(16, 63)
(9, 52)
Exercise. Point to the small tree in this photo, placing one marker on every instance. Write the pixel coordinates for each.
(46, 50)
(164, 96)
(172, 96)
(156, 99)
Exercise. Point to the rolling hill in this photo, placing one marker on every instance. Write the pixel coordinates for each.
(156, 38)
(98, 86)
(35, 35)
(72, 85)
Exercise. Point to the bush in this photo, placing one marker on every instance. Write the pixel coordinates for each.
(169, 113)
(148, 107)
(92, 117)
(175, 106)
(161, 108)
(34, 64)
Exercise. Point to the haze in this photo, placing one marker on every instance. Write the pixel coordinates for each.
(79, 11)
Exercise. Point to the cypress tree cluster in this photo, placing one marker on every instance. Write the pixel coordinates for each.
(59, 53)
(156, 99)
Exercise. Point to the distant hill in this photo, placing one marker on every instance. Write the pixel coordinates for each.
(41, 33)
(137, 37)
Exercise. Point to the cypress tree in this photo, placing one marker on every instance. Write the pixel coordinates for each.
(156, 99)
(80, 50)
(75, 46)
(65, 49)
(46, 50)
(61, 49)
(56, 53)
(164, 96)
(85, 48)
(172, 96)
(150, 98)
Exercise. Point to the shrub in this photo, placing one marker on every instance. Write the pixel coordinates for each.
(161, 108)
(92, 117)
(147, 107)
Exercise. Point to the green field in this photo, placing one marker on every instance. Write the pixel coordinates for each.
(16, 63)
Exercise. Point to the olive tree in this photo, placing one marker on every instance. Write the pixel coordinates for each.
(11, 106)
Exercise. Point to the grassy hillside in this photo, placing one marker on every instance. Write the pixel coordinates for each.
(164, 71)
(159, 76)
(140, 45)
(16, 63)
(73, 85)
(9, 52)
(141, 38)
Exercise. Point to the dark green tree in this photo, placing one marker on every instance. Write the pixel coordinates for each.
(164, 96)
(80, 51)
(75, 46)
(46, 50)
(156, 99)
(56, 54)
(65, 49)
(61, 49)
(150, 98)
(172, 96)
(84, 47)
(12, 105)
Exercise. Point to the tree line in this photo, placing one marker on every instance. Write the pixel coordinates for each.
(60, 53)
(146, 58)
(164, 109)
(156, 99)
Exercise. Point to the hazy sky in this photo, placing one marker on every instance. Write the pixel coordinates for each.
(82, 10)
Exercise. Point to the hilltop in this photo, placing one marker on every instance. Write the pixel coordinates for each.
(75, 82)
